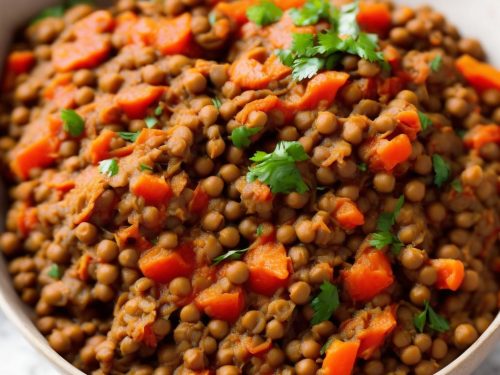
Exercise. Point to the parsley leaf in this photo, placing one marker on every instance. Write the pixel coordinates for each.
(145, 167)
(384, 236)
(128, 136)
(419, 320)
(54, 272)
(457, 186)
(73, 123)
(325, 303)
(159, 111)
(425, 121)
(260, 230)
(151, 122)
(325, 347)
(303, 44)
(55, 11)
(436, 321)
(108, 167)
(436, 63)
(362, 167)
(264, 13)
(311, 13)
(230, 255)
(304, 68)
(380, 240)
(216, 102)
(278, 169)
(441, 170)
(346, 19)
(241, 136)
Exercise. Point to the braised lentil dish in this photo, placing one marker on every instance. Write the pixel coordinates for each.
(246, 187)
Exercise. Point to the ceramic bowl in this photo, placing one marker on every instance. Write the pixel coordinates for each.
(477, 19)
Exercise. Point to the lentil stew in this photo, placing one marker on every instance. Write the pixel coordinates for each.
(252, 187)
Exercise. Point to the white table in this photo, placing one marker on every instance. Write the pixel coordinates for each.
(17, 357)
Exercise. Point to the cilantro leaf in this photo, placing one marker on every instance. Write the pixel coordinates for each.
(346, 19)
(145, 167)
(159, 111)
(325, 347)
(216, 102)
(425, 121)
(387, 219)
(303, 44)
(419, 320)
(286, 56)
(311, 13)
(230, 255)
(55, 11)
(73, 123)
(384, 236)
(441, 170)
(129, 136)
(362, 167)
(278, 169)
(436, 321)
(108, 167)
(260, 230)
(325, 303)
(457, 186)
(241, 136)
(54, 272)
(151, 122)
(304, 68)
(436, 63)
(380, 240)
(264, 13)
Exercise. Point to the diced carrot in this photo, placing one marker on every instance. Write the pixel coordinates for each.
(340, 358)
(249, 73)
(147, 134)
(99, 147)
(480, 135)
(348, 214)
(83, 267)
(280, 34)
(450, 273)
(199, 201)
(27, 219)
(258, 192)
(220, 304)
(480, 75)
(149, 337)
(164, 265)
(135, 100)
(39, 154)
(259, 349)
(390, 86)
(173, 35)
(391, 153)
(287, 4)
(236, 10)
(84, 53)
(370, 274)
(265, 105)
(409, 123)
(154, 189)
(20, 62)
(374, 17)
(269, 268)
(370, 328)
(321, 90)
(131, 236)
(97, 22)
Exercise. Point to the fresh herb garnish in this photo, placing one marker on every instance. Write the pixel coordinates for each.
(264, 13)
(260, 230)
(278, 169)
(159, 111)
(457, 186)
(128, 136)
(325, 303)
(216, 102)
(73, 123)
(145, 167)
(108, 167)
(441, 170)
(309, 54)
(362, 167)
(54, 272)
(151, 122)
(325, 347)
(384, 235)
(436, 321)
(436, 63)
(241, 136)
(425, 121)
(58, 10)
(230, 255)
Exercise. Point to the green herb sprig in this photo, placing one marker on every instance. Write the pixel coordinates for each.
(441, 170)
(325, 303)
(230, 255)
(384, 235)
(264, 13)
(73, 123)
(435, 321)
(241, 136)
(108, 167)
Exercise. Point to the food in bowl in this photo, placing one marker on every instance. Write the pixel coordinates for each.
(252, 187)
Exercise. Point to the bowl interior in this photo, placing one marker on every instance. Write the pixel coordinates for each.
(479, 20)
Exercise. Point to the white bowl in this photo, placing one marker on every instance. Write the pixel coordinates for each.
(477, 19)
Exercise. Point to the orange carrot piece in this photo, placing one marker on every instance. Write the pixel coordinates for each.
(374, 17)
(265, 105)
(236, 10)
(370, 274)
(27, 219)
(249, 73)
(348, 214)
(135, 100)
(131, 236)
(20, 62)
(199, 201)
(258, 350)
(219, 304)
(147, 134)
(287, 4)
(450, 273)
(409, 123)
(393, 152)
(84, 53)
(269, 268)
(173, 35)
(321, 90)
(97, 22)
(164, 265)
(83, 267)
(38, 154)
(99, 147)
(480, 135)
(340, 358)
(379, 328)
(280, 34)
(154, 189)
(480, 75)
